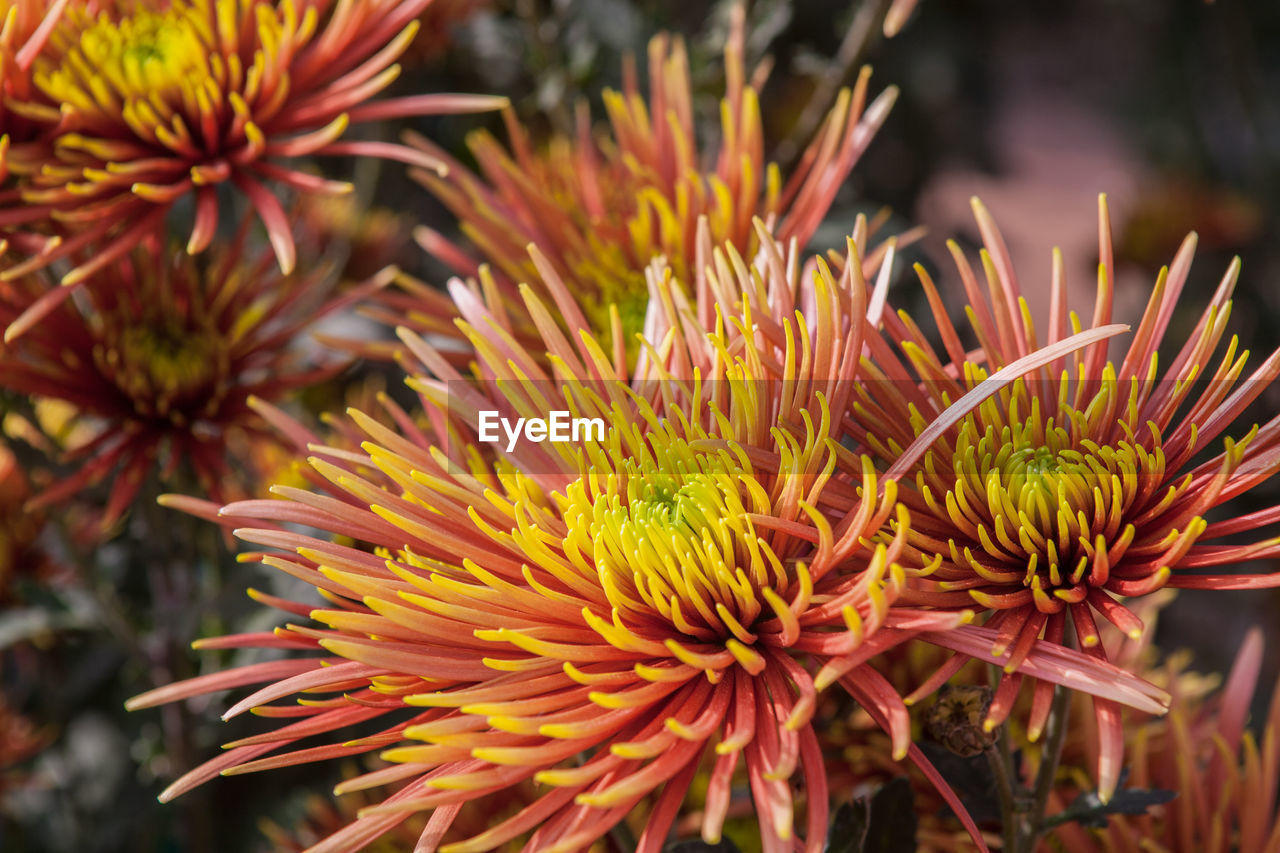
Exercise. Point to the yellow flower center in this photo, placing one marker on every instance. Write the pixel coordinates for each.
(165, 370)
(147, 56)
(672, 539)
(1048, 505)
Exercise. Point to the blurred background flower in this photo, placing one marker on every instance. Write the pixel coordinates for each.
(158, 363)
(1217, 777)
(601, 204)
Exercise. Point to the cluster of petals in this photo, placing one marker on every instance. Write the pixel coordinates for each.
(607, 618)
(127, 109)
(1221, 774)
(159, 361)
(791, 480)
(1079, 483)
(601, 205)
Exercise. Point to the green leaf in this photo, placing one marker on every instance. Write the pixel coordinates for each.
(849, 828)
(970, 778)
(883, 823)
(1088, 810)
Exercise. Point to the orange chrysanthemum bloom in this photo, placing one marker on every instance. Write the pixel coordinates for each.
(599, 616)
(638, 597)
(159, 357)
(1078, 484)
(1226, 778)
(600, 207)
(162, 100)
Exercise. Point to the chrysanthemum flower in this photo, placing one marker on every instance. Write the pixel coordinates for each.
(1225, 777)
(636, 599)
(600, 207)
(598, 616)
(1077, 485)
(160, 353)
(163, 100)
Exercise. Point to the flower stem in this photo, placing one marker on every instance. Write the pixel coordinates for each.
(1049, 758)
(1022, 810)
(997, 757)
(173, 559)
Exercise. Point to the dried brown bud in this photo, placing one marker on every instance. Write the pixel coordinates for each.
(955, 719)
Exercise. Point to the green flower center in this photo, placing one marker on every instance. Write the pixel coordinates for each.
(671, 538)
(144, 54)
(1040, 504)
